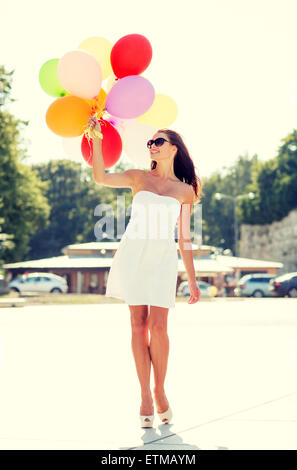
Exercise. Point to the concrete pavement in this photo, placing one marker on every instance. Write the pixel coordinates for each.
(68, 378)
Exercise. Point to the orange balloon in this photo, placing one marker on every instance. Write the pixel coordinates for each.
(68, 116)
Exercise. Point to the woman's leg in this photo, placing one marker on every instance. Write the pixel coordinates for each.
(140, 348)
(159, 351)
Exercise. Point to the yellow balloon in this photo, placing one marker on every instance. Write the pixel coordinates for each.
(98, 103)
(110, 82)
(162, 113)
(100, 48)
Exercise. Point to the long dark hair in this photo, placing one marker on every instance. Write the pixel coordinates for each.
(183, 165)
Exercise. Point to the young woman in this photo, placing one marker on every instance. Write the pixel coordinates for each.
(144, 268)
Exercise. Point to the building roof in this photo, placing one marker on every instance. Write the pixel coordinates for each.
(62, 262)
(113, 246)
(213, 264)
(206, 266)
(237, 262)
(92, 246)
(79, 262)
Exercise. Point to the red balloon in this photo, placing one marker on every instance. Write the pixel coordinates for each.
(111, 145)
(131, 55)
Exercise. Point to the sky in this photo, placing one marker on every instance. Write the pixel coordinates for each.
(230, 66)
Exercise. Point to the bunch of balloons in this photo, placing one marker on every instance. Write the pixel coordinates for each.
(129, 111)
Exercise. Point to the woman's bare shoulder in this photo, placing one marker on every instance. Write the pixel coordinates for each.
(138, 177)
(135, 172)
(139, 174)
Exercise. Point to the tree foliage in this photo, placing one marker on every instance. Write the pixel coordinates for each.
(73, 196)
(275, 186)
(23, 207)
(273, 182)
(218, 215)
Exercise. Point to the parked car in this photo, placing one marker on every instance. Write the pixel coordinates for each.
(283, 285)
(204, 287)
(39, 282)
(254, 285)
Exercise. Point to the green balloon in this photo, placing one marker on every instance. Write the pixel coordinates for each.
(49, 80)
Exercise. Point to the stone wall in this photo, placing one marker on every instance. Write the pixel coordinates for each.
(272, 242)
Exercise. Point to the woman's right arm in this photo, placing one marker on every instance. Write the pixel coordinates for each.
(124, 179)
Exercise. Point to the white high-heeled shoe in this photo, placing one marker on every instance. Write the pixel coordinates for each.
(146, 421)
(166, 416)
(146, 424)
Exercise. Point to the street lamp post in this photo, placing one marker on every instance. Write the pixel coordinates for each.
(235, 199)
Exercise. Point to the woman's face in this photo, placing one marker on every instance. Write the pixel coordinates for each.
(165, 151)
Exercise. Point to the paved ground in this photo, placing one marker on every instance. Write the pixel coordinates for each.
(68, 379)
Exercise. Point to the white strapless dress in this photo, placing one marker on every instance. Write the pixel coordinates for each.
(145, 266)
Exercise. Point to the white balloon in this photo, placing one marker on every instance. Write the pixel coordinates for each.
(117, 123)
(72, 147)
(134, 137)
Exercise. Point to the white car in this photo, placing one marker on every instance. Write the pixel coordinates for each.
(39, 282)
(204, 287)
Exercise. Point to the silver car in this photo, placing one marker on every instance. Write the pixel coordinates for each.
(39, 282)
(254, 285)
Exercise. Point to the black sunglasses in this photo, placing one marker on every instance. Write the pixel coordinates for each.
(158, 142)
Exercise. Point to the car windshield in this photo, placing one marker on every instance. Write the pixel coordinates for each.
(286, 276)
(244, 279)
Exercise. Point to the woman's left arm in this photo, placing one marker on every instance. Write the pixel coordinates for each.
(185, 245)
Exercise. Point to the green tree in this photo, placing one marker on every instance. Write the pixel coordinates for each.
(218, 215)
(275, 186)
(73, 195)
(23, 206)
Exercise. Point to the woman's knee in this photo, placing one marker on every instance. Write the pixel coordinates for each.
(158, 320)
(139, 318)
(158, 328)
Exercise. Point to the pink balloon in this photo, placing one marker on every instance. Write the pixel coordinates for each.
(80, 74)
(130, 97)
